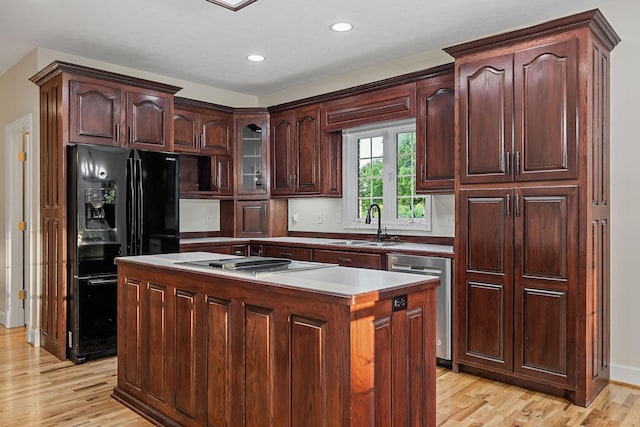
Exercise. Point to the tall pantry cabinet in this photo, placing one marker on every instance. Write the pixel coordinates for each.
(85, 105)
(532, 203)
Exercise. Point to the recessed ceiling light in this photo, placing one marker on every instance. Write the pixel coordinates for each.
(255, 58)
(341, 27)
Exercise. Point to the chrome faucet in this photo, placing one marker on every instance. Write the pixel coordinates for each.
(367, 220)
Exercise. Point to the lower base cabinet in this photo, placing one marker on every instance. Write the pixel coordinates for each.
(204, 350)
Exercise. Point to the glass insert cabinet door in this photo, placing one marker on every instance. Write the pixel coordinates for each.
(252, 153)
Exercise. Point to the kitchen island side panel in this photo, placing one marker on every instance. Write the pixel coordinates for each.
(272, 356)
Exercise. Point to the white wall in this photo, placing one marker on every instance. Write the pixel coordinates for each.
(19, 97)
(625, 198)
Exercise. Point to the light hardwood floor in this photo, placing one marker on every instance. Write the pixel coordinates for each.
(36, 389)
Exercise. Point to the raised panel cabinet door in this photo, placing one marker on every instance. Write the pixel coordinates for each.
(130, 344)
(223, 174)
(306, 160)
(546, 96)
(483, 311)
(253, 218)
(156, 342)
(94, 113)
(435, 137)
(148, 121)
(486, 120)
(185, 131)
(545, 291)
(186, 370)
(215, 133)
(259, 369)
(219, 362)
(282, 153)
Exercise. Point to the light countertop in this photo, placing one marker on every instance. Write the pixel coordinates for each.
(445, 250)
(329, 279)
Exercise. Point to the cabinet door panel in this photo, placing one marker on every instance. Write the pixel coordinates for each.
(215, 133)
(158, 348)
(223, 174)
(252, 218)
(545, 277)
(185, 399)
(306, 166)
(546, 93)
(486, 120)
(259, 369)
(94, 113)
(484, 301)
(308, 372)
(131, 345)
(281, 154)
(184, 131)
(147, 121)
(435, 137)
(219, 363)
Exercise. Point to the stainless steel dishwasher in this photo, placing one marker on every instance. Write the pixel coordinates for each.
(432, 266)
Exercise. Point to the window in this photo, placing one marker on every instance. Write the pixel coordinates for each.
(380, 167)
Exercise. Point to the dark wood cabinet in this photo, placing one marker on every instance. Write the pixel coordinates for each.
(220, 248)
(435, 135)
(85, 105)
(107, 113)
(517, 302)
(261, 218)
(201, 349)
(295, 151)
(148, 121)
(532, 206)
(392, 103)
(350, 259)
(290, 252)
(200, 128)
(518, 115)
(95, 113)
(252, 132)
(206, 176)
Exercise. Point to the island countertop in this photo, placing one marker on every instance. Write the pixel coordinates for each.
(350, 284)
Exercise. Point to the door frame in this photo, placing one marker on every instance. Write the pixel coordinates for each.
(15, 315)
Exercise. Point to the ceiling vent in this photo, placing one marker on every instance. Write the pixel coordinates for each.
(234, 5)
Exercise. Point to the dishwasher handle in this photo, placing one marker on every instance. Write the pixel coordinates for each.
(416, 269)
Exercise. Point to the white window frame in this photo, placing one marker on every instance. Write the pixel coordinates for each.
(350, 168)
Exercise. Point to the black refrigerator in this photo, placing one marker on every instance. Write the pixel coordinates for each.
(120, 202)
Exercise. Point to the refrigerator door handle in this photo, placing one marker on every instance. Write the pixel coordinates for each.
(131, 209)
(140, 198)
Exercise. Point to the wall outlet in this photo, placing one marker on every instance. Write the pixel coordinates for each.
(451, 220)
(319, 218)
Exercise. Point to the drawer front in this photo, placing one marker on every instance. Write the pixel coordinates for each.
(349, 259)
(300, 254)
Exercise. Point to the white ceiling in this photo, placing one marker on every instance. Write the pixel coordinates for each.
(201, 42)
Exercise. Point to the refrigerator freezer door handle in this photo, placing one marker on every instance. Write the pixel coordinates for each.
(140, 198)
(131, 208)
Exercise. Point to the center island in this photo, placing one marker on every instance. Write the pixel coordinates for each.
(317, 345)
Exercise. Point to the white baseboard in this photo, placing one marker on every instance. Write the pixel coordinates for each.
(3, 318)
(625, 374)
(33, 336)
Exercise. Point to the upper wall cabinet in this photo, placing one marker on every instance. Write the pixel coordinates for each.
(198, 129)
(435, 135)
(295, 151)
(518, 115)
(107, 113)
(381, 105)
(251, 154)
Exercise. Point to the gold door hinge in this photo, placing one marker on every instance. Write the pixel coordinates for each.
(22, 156)
(22, 294)
(22, 226)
